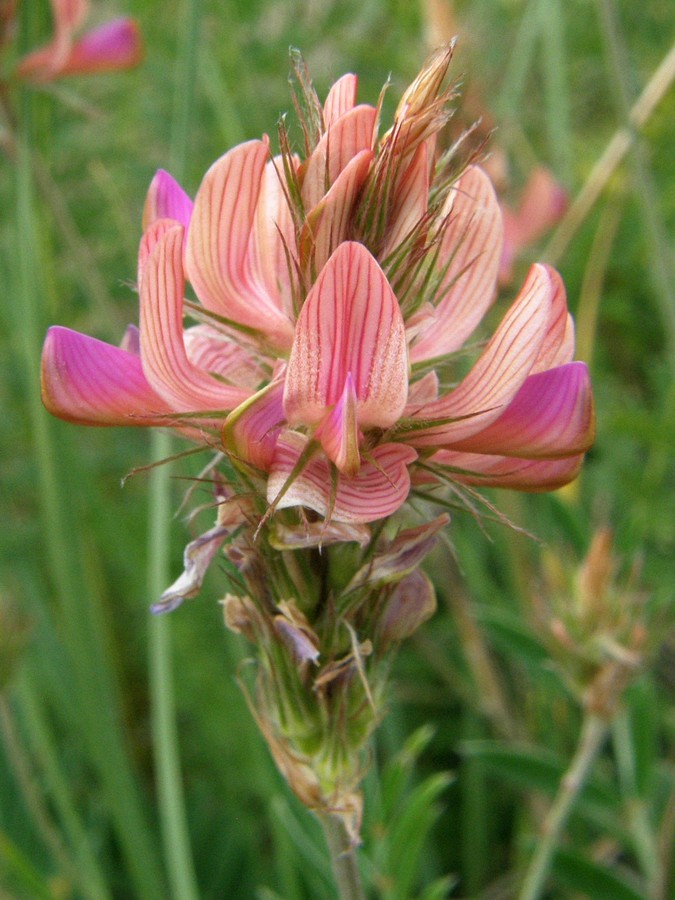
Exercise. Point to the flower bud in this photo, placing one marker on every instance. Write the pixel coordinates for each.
(410, 604)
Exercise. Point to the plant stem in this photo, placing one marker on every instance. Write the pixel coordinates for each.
(593, 732)
(342, 857)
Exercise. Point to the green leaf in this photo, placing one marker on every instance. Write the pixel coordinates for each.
(593, 880)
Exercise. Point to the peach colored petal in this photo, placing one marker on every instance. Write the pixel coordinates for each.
(250, 431)
(352, 133)
(471, 248)
(350, 323)
(483, 395)
(339, 431)
(327, 225)
(165, 361)
(410, 201)
(223, 257)
(558, 344)
(341, 98)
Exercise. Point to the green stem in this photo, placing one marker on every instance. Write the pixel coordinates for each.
(176, 839)
(593, 732)
(343, 857)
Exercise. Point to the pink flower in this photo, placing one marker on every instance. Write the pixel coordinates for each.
(111, 46)
(334, 297)
(542, 204)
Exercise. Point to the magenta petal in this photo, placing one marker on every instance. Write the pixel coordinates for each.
(166, 199)
(533, 475)
(550, 416)
(114, 45)
(89, 382)
(377, 491)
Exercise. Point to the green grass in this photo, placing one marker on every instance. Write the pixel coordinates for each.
(91, 803)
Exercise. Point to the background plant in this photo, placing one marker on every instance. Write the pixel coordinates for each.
(78, 796)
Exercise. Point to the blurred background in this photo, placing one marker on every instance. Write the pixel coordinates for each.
(489, 699)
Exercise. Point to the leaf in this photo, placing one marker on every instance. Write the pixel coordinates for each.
(593, 880)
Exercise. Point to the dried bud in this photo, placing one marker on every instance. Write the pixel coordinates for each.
(240, 615)
(410, 604)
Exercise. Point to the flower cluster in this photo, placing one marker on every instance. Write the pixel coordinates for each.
(333, 295)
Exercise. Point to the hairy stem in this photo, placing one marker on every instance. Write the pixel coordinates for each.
(342, 857)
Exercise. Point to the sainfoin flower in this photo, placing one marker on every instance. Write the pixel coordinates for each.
(336, 295)
(114, 45)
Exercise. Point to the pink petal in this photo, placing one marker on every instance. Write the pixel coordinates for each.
(483, 395)
(210, 351)
(533, 475)
(339, 431)
(89, 382)
(223, 259)
(341, 98)
(112, 46)
(558, 345)
(352, 133)
(378, 490)
(274, 236)
(542, 204)
(350, 323)
(471, 248)
(250, 431)
(165, 361)
(550, 416)
(411, 199)
(69, 14)
(327, 225)
(166, 199)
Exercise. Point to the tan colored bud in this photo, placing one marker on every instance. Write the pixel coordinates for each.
(595, 574)
(240, 615)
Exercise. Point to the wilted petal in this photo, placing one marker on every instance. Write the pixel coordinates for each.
(250, 432)
(483, 395)
(112, 46)
(89, 382)
(223, 256)
(341, 98)
(410, 604)
(196, 560)
(317, 534)
(551, 415)
(471, 249)
(533, 475)
(165, 361)
(351, 134)
(350, 323)
(166, 199)
(378, 490)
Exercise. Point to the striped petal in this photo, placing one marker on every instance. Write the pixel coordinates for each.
(379, 489)
(532, 475)
(550, 416)
(328, 223)
(339, 431)
(341, 98)
(89, 382)
(165, 361)
(350, 324)
(352, 133)
(410, 201)
(223, 257)
(483, 395)
(471, 249)
(558, 345)
(250, 431)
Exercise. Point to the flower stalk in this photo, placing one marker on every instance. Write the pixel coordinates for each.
(343, 857)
